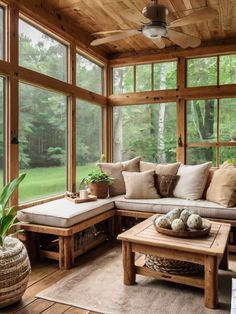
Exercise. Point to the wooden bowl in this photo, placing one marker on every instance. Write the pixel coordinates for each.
(194, 233)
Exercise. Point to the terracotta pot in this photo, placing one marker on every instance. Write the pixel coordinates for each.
(100, 189)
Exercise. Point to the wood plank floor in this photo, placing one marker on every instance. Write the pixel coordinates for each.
(46, 273)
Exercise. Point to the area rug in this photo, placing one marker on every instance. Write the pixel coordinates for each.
(98, 286)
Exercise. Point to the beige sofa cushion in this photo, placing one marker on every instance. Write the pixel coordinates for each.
(192, 181)
(145, 166)
(222, 189)
(167, 169)
(115, 170)
(140, 185)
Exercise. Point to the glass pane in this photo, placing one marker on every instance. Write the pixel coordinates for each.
(42, 136)
(201, 120)
(227, 119)
(89, 75)
(228, 153)
(198, 155)
(202, 72)
(148, 131)
(88, 137)
(2, 37)
(143, 77)
(123, 80)
(1, 132)
(227, 69)
(165, 75)
(42, 53)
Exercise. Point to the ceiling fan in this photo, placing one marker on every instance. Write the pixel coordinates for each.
(153, 21)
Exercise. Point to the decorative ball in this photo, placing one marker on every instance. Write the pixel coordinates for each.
(185, 215)
(163, 222)
(194, 222)
(177, 225)
(173, 214)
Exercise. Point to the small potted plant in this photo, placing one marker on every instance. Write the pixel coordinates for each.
(98, 183)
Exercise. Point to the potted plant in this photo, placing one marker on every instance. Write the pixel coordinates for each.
(14, 261)
(98, 183)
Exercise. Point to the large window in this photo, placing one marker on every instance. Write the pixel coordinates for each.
(2, 34)
(165, 75)
(123, 80)
(202, 72)
(88, 138)
(1, 132)
(148, 131)
(42, 137)
(42, 53)
(89, 75)
(143, 77)
(227, 69)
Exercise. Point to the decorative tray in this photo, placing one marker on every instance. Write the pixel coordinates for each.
(74, 197)
(187, 233)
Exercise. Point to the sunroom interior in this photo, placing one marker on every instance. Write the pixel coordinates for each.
(66, 105)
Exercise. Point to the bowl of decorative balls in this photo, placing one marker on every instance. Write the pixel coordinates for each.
(183, 223)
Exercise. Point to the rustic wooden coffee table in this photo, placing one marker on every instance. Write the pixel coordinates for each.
(210, 251)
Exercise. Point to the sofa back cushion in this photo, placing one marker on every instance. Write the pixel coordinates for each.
(145, 166)
(140, 185)
(115, 170)
(167, 169)
(222, 189)
(208, 181)
(192, 181)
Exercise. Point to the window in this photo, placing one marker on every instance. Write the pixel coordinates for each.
(165, 75)
(123, 80)
(148, 131)
(1, 132)
(42, 53)
(42, 137)
(89, 75)
(202, 72)
(2, 34)
(198, 155)
(143, 77)
(88, 138)
(227, 69)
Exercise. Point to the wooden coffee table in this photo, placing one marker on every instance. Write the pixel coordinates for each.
(210, 251)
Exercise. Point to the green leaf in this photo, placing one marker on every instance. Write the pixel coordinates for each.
(5, 224)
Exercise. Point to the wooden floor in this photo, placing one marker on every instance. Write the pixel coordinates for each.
(46, 273)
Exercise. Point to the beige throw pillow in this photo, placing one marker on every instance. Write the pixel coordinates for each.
(115, 170)
(222, 189)
(145, 166)
(140, 185)
(167, 169)
(192, 181)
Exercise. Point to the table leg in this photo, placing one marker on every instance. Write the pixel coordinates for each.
(211, 282)
(224, 264)
(128, 263)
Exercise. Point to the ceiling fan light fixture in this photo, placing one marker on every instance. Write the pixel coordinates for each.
(154, 31)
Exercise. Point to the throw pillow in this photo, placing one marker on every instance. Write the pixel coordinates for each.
(167, 169)
(115, 170)
(140, 185)
(222, 189)
(166, 184)
(192, 181)
(145, 166)
(208, 181)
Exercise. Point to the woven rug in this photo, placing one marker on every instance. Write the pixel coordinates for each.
(97, 285)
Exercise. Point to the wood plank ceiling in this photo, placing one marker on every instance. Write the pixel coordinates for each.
(100, 15)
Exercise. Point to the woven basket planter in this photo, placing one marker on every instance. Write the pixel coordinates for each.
(14, 271)
(172, 266)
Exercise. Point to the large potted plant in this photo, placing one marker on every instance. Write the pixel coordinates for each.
(98, 183)
(14, 261)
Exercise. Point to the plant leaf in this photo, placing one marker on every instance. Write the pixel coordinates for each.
(6, 223)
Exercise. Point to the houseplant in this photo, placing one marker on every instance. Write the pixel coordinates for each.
(14, 261)
(98, 183)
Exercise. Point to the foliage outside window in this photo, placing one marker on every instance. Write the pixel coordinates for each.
(88, 138)
(89, 75)
(228, 69)
(1, 132)
(41, 53)
(202, 72)
(143, 77)
(42, 137)
(165, 75)
(123, 80)
(2, 33)
(148, 131)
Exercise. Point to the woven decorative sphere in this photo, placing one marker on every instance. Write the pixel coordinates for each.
(173, 214)
(177, 225)
(14, 271)
(185, 215)
(194, 222)
(162, 222)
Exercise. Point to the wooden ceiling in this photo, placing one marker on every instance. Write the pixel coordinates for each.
(100, 15)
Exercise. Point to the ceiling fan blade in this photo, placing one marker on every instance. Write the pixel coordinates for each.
(109, 32)
(198, 16)
(116, 37)
(183, 40)
(134, 16)
(159, 42)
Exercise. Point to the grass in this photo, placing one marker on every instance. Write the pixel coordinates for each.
(42, 182)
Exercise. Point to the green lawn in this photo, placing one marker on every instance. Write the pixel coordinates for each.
(42, 182)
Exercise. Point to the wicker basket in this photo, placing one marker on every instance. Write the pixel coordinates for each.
(14, 271)
(172, 266)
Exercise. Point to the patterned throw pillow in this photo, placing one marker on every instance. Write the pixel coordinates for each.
(166, 184)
